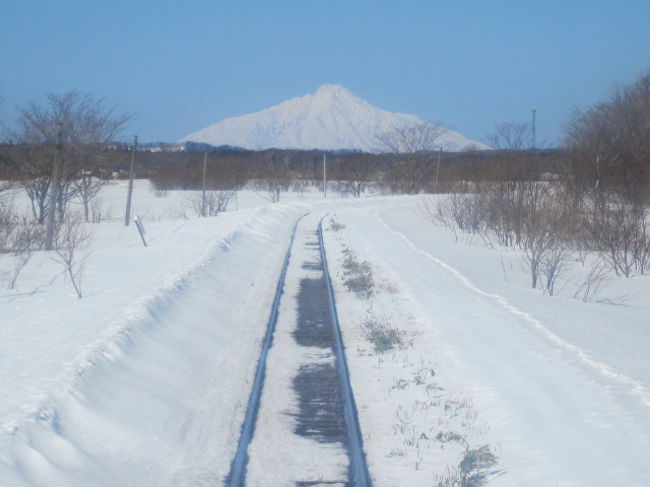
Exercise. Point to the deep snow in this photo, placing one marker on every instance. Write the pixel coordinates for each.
(144, 381)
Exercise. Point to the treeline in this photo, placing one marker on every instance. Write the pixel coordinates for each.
(597, 202)
(423, 172)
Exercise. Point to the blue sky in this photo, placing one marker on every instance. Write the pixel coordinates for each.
(181, 65)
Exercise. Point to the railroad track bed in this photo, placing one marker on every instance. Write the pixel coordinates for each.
(302, 422)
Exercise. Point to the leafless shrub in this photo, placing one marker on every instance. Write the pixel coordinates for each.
(554, 264)
(6, 224)
(465, 211)
(300, 186)
(593, 284)
(211, 203)
(18, 238)
(73, 249)
(98, 212)
(353, 187)
(87, 187)
(619, 233)
(18, 262)
(641, 246)
(543, 236)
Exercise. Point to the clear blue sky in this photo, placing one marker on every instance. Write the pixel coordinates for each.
(181, 65)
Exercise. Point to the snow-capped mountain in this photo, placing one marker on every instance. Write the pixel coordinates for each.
(331, 118)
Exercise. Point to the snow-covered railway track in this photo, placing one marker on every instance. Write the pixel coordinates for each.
(301, 427)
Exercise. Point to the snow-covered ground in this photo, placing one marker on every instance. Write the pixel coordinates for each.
(558, 388)
(144, 381)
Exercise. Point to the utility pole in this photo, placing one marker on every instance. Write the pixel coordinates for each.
(127, 216)
(54, 188)
(324, 174)
(435, 186)
(205, 167)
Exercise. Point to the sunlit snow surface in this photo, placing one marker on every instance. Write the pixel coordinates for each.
(560, 388)
(144, 381)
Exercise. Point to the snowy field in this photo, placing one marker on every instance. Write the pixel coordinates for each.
(558, 388)
(144, 381)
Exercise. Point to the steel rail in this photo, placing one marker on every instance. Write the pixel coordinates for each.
(360, 476)
(237, 475)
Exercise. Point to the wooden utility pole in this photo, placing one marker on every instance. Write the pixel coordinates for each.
(54, 188)
(127, 215)
(205, 167)
(325, 175)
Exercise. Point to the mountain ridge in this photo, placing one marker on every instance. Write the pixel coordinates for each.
(331, 118)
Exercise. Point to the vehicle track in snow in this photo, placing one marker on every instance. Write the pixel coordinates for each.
(301, 425)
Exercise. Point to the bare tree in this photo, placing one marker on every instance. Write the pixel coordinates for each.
(610, 143)
(413, 150)
(354, 175)
(87, 126)
(510, 137)
(274, 175)
(87, 187)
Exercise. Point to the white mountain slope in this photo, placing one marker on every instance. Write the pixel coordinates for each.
(329, 119)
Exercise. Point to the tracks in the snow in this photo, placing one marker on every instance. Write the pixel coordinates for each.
(323, 415)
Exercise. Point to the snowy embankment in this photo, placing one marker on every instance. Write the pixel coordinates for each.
(144, 381)
(558, 389)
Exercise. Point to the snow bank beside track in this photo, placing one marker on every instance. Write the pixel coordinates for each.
(158, 356)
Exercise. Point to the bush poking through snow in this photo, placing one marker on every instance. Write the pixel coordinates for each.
(212, 204)
(475, 465)
(72, 250)
(335, 226)
(472, 471)
(17, 240)
(382, 335)
(357, 276)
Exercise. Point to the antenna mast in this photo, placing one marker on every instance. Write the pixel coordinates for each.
(534, 132)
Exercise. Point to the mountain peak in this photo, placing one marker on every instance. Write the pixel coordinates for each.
(335, 89)
(331, 118)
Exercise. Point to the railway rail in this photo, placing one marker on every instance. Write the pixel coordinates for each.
(324, 410)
